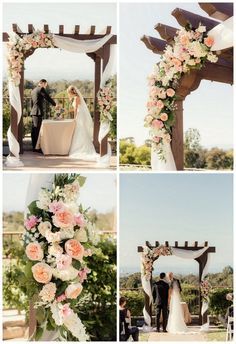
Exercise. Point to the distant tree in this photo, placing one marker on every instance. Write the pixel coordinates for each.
(192, 139)
(143, 155)
(218, 159)
(194, 155)
(127, 152)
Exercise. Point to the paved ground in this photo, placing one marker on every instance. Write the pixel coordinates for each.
(194, 335)
(35, 161)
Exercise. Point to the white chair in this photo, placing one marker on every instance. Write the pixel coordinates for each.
(230, 329)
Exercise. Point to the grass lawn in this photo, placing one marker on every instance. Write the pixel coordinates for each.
(143, 337)
(216, 336)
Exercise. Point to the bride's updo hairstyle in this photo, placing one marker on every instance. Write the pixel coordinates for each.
(72, 91)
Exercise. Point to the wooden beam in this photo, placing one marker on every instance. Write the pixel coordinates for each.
(167, 243)
(147, 243)
(185, 17)
(195, 243)
(186, 244)
(166, 32)
(77, 27)
(16, 29)
(5, 37)
(218, 10)
(31, 29)
(92, 29)
(219, 74)
(46, 28)
(108, 30)
(61, 29)
(157, 243)
(157, 46)
(206, 243)
(176, 243)
(211, 249)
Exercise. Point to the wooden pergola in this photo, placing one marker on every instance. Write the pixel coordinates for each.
(202, 260)
(100, 58)
(222, 71)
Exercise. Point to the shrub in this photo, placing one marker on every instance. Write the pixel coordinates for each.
(218, 303)
(135, 301)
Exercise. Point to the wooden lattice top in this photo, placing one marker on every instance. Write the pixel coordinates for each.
(186, 246)
(90, 34)
(219, 11)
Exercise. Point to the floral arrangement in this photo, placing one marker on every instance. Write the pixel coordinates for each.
(59, 239)
(59, 113)
(106, 101)
(205, 288)
(18, 48)
(191, 49)
(149, 255)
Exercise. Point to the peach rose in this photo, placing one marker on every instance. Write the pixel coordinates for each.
(170, 92)
(73, 290)
(42, 273)
(74, 249)
(164, 116)
(184, 40)
(160, 104)
(34, 251)
(63, 219)
(209, 41)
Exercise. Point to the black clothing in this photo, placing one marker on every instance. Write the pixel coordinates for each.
(38, 95)
(160, 296)
(125, 330)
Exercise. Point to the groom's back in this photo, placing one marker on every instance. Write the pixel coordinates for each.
(162, 292)
(36, 102)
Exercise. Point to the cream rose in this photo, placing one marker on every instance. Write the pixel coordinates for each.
(43, 227)
(73, 290)
(48, 292)
(81, 235)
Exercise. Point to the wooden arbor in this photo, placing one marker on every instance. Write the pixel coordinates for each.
(222, 71)
(202, 260)
(100, 58)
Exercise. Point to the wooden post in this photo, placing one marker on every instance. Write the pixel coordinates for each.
(21, 123)
(202, 260)
(32, 319)
(177, 142)
(96, 112)
(106, 55)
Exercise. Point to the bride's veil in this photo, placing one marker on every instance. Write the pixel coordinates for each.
(85, 114)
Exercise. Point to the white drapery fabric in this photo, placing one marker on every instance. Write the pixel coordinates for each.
(160, 165)
(69, 44)
(223, 35)
(178, 252)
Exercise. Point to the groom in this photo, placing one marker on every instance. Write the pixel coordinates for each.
(38, 95)
(160, 298)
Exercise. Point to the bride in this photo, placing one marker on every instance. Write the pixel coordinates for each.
(82, 142)
(176, 323)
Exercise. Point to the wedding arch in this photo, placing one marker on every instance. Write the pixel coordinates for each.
(149, 254)
(99, 47)
(220, 71)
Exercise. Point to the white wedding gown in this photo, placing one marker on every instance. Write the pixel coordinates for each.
(176, 323)
(82, 142)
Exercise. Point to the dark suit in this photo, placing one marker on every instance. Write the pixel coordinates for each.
(160, 296)
(38, 95)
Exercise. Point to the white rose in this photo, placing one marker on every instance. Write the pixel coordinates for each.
(65, 275)
(55, 249)
(43, 227)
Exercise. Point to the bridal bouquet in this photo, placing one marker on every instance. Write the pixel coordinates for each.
(191, 50)
(58, 241)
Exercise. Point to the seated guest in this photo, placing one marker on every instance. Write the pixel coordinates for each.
(126, 330)
(230, 310)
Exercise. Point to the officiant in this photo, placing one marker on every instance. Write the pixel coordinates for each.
(38, 96)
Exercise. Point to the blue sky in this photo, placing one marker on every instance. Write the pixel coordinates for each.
(171, 207)
(209, 108)
(99, 191)
(53, 63)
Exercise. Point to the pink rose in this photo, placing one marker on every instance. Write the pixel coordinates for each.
(31, 222)
(170, 92)
(83, 274)
(63, 261)
(61, 298)
(164, 116)
(74, 249)
(34, 44)
(209, 41)
(34, 251)
(79, 220)
(160, 104)
(73, 290)
(66, 311)
(56, 206)
(63, 219)
(157, 124)
(42, 273)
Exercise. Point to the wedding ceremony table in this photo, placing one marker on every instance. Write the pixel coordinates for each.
(187, 315)
(55, 136)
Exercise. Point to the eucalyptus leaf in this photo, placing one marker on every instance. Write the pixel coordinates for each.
(39, 333)
(82, 180)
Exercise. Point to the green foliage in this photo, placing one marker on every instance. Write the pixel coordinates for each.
(98, 310)
(218, 159)
(130, 154)
(5, 118)
(135, 301)
(190, 295)
(218, 303)
(131, 281)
